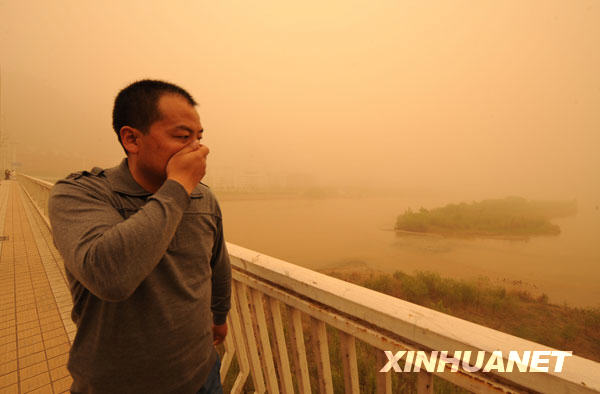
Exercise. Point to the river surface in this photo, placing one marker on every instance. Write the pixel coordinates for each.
(357, 232)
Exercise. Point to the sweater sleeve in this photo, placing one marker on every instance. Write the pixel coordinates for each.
(221, 278)
(110, 255)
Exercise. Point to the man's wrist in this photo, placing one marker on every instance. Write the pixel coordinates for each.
(188, 188)
(175, 191)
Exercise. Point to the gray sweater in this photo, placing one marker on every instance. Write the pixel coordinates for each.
(149, 275)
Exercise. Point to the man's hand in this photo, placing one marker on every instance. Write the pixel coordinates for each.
(188, 166)
(219, 333)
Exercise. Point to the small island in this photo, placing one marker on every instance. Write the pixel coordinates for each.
(511, 217)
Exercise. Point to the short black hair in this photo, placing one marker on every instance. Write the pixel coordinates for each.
(137, 104)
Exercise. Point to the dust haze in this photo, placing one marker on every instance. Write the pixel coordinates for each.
(458, 99)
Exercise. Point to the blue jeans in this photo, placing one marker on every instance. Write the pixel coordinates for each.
(213, 381)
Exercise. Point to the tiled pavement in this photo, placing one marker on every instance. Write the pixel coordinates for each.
(35, 326)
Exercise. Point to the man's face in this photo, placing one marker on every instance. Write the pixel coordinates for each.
(179, 126)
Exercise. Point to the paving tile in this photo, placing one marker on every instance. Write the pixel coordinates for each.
(28, 325)
(30, 332)
(23, 284)
(54, 333)
(8, 331)
(6, 308)
(26, 307)
(43, 294)
(62, 291)
(63, 384)
(7, 314)
(27, 350)
(58, 361)
(46, 304)
(33, 370)
(8, 367)
(8, 347)
(8, 356)
(47, 389)
(35, 382)
(56, 341)
(30, 340)
(62, 297)
(24, 299)
(49, 319)
(41, 307)
(7, 339)
(65, 306)
(46, 315)
(43, 289)
(58, 350)
(14, 389)
(8, 292)
(59, 373)
(66, 315)
(31, 359)
(9, 379)
(27, 316)
(5, 323)
(52, 326)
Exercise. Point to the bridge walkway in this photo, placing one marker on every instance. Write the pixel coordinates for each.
(36, 330)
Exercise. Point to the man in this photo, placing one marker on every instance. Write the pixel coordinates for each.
(144, 254)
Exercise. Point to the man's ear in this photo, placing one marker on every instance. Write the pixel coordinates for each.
(130, 138)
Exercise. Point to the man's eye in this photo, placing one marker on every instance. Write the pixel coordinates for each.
(182, 136)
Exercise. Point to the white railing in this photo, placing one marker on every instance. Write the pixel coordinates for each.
(291, 328)
(39, 192)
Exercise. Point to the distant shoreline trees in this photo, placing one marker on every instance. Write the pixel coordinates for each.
(511, 216)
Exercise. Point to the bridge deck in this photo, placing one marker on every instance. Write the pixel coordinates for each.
(35, 326)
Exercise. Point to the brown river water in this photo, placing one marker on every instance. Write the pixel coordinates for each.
(357, 232)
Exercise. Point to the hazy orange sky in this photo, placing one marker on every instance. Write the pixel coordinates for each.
(470, 98)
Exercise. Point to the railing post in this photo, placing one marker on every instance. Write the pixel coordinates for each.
(349, 363)
(240, 344)
(257, 376)
(287, 384)
(263, 333)
(424, 383)
(319, 333)
(229, 350)
(299, 350)
(384, 379)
